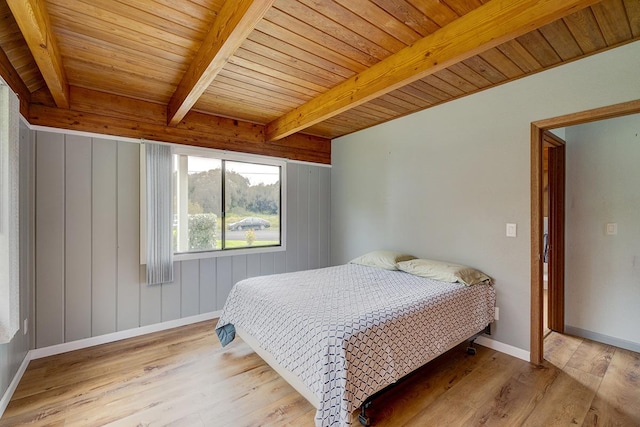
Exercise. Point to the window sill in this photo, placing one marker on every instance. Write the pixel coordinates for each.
(228, 252)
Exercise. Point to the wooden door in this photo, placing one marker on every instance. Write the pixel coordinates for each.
(556, 236)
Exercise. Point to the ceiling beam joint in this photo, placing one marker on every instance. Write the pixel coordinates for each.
(235, 21)
(33, 20)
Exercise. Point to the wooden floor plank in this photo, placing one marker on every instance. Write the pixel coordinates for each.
(617, 402)
(567, 401)
(404, 401)
(183, 377)
(517, 397)
(558, 348)
(592, 357)
(469, 395)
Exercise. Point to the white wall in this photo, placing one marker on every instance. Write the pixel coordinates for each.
(443, 182)
(602, 283)
(88, 278)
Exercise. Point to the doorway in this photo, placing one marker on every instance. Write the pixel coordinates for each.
(538, 131)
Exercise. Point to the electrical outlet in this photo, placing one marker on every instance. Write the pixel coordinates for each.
(497, 314)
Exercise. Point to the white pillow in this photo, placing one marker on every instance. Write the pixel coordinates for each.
(382, 259)
(445, 271)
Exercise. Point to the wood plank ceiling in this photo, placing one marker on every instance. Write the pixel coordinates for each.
(281, 77)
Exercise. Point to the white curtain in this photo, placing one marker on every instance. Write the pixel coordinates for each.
(9, 226)
(159, 194)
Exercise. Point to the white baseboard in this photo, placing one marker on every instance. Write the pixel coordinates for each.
(504, 348)
(4, 402)
(121, 335)
(90, 342)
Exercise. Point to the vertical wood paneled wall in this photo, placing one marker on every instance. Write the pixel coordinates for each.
(88, 278)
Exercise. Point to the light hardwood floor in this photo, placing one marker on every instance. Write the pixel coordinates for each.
(183, 377)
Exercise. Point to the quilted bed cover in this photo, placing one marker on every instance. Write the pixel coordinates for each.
(351, 330)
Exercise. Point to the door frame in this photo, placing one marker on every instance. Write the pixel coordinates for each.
(538, 129)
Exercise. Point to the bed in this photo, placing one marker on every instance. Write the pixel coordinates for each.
(341, 334)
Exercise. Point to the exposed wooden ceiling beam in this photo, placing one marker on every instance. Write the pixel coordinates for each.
(109, 114)
(33, 20)
(11, 76)
(232, 26)
(483, 28)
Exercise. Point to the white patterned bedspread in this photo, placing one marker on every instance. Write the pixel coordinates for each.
(351, 330)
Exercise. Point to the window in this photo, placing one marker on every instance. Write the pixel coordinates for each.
(9, 222)
(225, 202)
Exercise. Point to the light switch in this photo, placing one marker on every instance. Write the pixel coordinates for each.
(612, 228)
(512, 230)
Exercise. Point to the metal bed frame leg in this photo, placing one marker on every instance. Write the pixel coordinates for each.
(363, 418)
(471, 349)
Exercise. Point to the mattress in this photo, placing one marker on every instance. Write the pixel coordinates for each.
(348, 331)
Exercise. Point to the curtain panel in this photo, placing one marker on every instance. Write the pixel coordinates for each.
(159, 218)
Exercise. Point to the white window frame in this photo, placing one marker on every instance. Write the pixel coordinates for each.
(247, 158)
(9, 215)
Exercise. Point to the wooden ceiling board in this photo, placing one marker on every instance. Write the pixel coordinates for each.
(286, 62)
(87, 72)
(79, 32)
(632, 7)
(220, 92)
(120, 56)
(401, 100)
(393, 34)
(539, 48)
(425, 92)
(462, 7)
(266, 65)
(502, 63)
(409, 15)
(612, 20)
(126, 53)
(110, 21)
(249, 90)
(520, 56)
(311, 47)
(585, 30)
(470, 75)
(436, 10)
(485, 69)
(343, 42)
(256, 95)
(453, 79)
(125, 83)
(183, 14)
(447, 90)
(263, 79)
(244, 78)
(432, 85)
(561, 40)
(230, 108)
(295, 56)
(258, 109)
